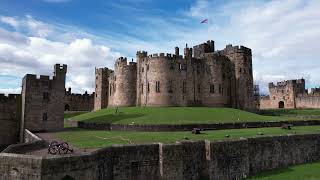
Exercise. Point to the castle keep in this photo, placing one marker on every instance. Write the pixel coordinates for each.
(43, 100)
(290, 94)
(202, 77)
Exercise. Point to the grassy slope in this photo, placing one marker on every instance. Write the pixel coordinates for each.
(173, 115)
(95, 139)
(300, 172)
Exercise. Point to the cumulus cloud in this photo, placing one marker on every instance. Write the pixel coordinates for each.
(21, 54)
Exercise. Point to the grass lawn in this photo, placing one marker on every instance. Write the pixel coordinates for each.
(297, 113)
(174, 115)
(70, 114)
(299, 172)
(95, 139)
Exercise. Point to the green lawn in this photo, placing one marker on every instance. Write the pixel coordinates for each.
(297, 113)
(95, 139)
(70, 114)
(173, 115)
(299, 172)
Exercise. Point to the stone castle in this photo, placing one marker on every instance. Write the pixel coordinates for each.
(202, 77)
(290, 94)
(78, 102)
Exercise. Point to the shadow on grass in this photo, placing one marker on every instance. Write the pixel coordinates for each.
(112, 118)
(267, 174)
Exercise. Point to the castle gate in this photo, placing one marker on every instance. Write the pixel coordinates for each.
(281, 104)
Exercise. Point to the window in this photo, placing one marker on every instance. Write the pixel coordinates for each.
(170, 86)
(240, 70)
(142, 88)
(148, 67)
(96, 95)
(171, 66)
(44, 117)
(148, 88)
(184, 87)
(157, 86)
(110, 88)
(114, 88)
(142, 69)
(115, 78)
(220, 88)
(180, 66)
(96, 77)
(46, 96)
(96, 86)
(223, 76)
(199, 88)
(211, 88)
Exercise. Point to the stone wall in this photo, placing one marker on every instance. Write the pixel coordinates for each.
(43, 101)
(78, 102)
(227, 159)
(10, 107)
(308, 101)
(189, 127)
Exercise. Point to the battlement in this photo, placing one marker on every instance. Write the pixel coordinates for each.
(123, 61)
(60, 69)
(34, 77)
(164, 56)
(9, 97)
(69, 93)
(201, 49)
(237, 49)
(142, 54)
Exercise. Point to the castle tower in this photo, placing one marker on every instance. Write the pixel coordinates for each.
(124, 85)
(242, 59)
(101, 97)
(141, 66)
(43, 101)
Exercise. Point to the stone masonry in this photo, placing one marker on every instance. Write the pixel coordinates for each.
(78, 102)
(290, 94)
(43, 101)
(202, 77)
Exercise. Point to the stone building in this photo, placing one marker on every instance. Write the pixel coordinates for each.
(10, 114)
(202, 77)
(290, 94)
(43, 100)
(78, 102)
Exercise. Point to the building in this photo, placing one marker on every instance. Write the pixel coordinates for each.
(78, 102)
(290, 94)
(202, 77)
(43, 101)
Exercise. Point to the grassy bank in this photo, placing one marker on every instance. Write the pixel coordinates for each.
(96, 139)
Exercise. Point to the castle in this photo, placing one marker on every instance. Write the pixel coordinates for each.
(202, 77)
(78, 102)
(290, 94)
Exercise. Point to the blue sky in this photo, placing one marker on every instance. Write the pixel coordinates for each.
(36, 34)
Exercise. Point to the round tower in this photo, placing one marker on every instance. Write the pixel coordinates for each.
(124, 85)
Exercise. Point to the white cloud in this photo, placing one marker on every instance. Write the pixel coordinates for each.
(10, 91)
(21, 54)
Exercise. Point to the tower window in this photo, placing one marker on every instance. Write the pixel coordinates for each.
(142, 88)
(199, 88)
(170, 84)
(148, 67)
(184, 86)
(142, 69)
(46, 96)
(220, 89)
(148, 87)
(240, 70)
(44, 117)
(157, 86)
(211, 88)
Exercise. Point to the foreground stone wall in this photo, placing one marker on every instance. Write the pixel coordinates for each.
(228, 159)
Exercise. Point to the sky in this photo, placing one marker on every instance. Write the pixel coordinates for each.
(284, 35)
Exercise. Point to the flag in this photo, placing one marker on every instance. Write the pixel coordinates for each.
(204, 21)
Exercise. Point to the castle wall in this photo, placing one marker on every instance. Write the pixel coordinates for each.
(78, 102)
(224, 159)
(43, 101)
(10, 107)
(123, 83)
(308, 101)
